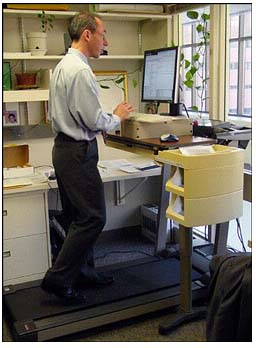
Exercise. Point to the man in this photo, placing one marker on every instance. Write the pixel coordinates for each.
(77, 117)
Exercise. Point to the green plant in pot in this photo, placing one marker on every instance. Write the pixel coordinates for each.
(195, 68)
(37, 41)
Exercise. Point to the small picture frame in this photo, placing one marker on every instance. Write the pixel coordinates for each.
(11, 116)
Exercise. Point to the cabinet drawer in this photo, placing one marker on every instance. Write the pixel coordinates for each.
(25, 256)
(24, 215)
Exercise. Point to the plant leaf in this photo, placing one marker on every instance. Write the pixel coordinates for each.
(192, 14)
(193, 70)
(182, 56)
(199, 28)
(104, 87)
(119, 80)
(195, 108)
(205, 16)
(188, 75)
(207, 35)
(196, 57)
(134, 83)
(187, 63)
(189, 83)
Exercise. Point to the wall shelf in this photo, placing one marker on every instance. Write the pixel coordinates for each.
(34, 13)
(104, 15)
(26, 95)
(20, 56)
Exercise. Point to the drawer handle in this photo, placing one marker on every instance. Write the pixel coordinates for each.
(5, 212)
(6, 254)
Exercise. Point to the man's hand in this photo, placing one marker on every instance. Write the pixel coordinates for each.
(123, 109)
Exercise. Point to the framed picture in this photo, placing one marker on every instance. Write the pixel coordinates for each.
(113, 88)
(11, 115)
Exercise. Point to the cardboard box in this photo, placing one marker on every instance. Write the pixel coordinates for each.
(16, 161)
(153, 128)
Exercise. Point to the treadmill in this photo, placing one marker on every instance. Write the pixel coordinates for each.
(143, 286)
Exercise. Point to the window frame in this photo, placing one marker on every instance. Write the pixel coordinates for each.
(241, 41)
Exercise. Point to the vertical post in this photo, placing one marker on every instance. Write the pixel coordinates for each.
(185, 243)
(23, 42)
(221, 238)
(163, 204)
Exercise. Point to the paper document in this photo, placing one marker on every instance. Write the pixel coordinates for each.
(25, 181)
(196, 150)
(148, 118)
(112, 164)
(129, 169)
(17, 182)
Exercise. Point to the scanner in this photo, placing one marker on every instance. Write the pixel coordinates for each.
(169, 138)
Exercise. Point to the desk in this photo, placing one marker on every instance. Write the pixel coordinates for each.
(151, 146)
(26, 222)
(38, 193)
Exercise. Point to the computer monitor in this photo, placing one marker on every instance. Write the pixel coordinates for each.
(161, 76)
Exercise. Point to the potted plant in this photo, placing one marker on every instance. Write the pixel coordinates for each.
(195, 68)
(37, 44)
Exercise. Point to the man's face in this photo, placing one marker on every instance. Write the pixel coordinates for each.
(98, 40)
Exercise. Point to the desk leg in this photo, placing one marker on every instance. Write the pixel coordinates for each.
(186, 312)
(221, 238)
(185, 244)
(163, 205)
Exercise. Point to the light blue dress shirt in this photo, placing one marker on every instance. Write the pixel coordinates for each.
(74, 105)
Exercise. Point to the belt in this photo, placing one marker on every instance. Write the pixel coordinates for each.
(65, 138)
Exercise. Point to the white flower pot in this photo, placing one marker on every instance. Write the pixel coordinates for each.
(37, 44)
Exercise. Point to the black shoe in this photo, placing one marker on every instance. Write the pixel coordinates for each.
(69, 294)
(94, 279)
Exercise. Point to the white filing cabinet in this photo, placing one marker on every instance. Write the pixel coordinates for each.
(26, 242)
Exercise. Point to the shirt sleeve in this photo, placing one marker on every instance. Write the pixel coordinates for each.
(85, 106)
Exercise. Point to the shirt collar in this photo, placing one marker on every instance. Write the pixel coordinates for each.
(78, 53)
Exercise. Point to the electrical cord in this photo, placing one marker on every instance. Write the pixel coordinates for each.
(239, 234)
(233, 250)
(184, 105)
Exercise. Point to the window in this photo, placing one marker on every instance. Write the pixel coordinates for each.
(189, 46)
(240, 61)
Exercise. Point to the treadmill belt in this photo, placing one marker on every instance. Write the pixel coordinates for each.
(34, 303)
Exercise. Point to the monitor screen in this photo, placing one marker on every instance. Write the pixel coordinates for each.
(161, 75)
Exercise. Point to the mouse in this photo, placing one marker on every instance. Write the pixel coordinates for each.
(169, 137)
